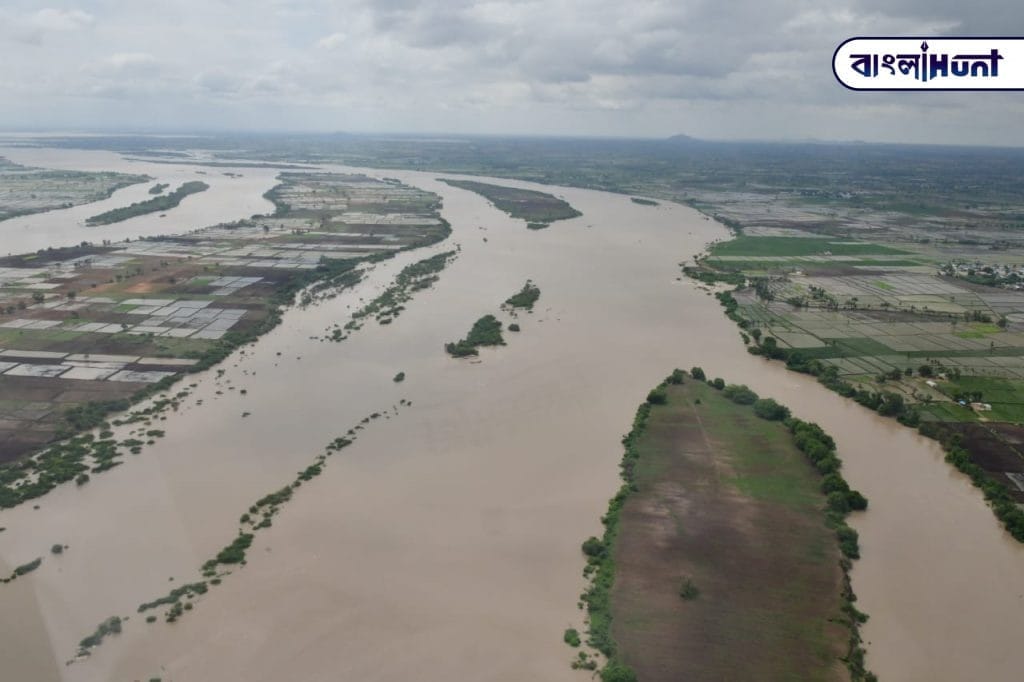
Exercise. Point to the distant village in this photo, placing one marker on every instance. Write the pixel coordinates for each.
(1006, 276)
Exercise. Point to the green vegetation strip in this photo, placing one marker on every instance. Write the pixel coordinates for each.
(23, 569)
(538, 209)
(159, 203)
(256, 518)
(799, 246)
(390, 304)
(809, 438)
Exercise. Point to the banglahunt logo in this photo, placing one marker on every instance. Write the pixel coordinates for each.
(930, 63)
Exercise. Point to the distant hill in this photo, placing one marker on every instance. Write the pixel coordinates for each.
(682, 139)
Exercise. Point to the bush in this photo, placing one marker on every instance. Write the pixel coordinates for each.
(593, 547)
(766, 408)
(838, 503)
(616, 671)
(400, 377)
(697, 373)
(688, 590)
(514, 327)
(571, 637)
(657, 397)
(740, 394)
(848, 542)
(57, 549)
(856, 501)
(676, 377)
(834, 483)
(718, 383)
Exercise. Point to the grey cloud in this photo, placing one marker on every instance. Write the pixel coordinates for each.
(554, 66)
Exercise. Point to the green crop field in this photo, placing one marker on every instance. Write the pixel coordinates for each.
(799, 246)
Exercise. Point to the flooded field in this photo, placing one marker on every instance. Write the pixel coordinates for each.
(444, 544)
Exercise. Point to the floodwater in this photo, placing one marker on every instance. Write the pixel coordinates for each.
(228, 199)
(444, 544)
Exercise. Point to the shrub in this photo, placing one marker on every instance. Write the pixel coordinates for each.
(834, 483)
(657, 397)
(571, 637)
(688, 590)
(617, 671)
(676, 377)
(514, 327)
(740, 394)
(718, 383)
(838, 503)
(593, 547)
(766, 408)
(400, 377)
(848, 542)
(57, 549)
(697, 373)
(856, 501)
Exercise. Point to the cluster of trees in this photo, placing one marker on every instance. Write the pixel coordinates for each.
(525, 298)
(485, 332)
(820, 450)
(886, 403)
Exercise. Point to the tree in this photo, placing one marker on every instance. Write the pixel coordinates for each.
(38, 296)
(925, 370)
(697, 373)
(766, 408)
(657, 397)
(617, 672)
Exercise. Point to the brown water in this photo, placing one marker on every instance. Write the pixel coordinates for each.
(444, 545)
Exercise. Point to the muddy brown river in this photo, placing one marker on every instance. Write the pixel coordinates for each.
(444, 544)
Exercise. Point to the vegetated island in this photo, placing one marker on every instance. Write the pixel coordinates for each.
(525, 298)
(538, 209)
(485, 332)
(726, 552)
(159, 203)
(158, 188)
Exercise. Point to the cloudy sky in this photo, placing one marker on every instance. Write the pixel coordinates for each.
(710, 68)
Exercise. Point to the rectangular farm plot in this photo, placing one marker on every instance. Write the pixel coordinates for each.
(88, 373)
(147, 377)
(31, 370)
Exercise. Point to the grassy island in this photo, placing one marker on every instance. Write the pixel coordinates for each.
(158, 203)
(725, 552)
(538, 209)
